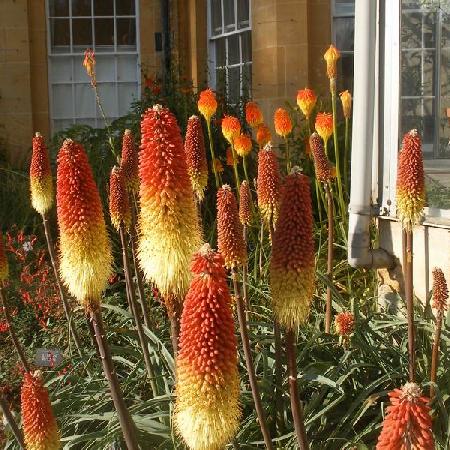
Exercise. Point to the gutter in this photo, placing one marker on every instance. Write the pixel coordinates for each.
(360, 253)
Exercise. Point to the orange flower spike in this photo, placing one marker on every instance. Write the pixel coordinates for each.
(230, 240)
(41, 183)
(243, 145)
(89, 65)
(407, 424)
(207, 409)
(283, 122)
(410, 181)
(169, 228)
(245, 204)
(253, 115)
(218, 165)
(346, 100)
(130, 161)
(194, 148)
(268, 186)
(85, 251)
(39, 425)
(324, 126)
(207, 104)
(306, 100)
(119, 206)
(263, 135)
(439, 300)
(4, 266)
(331, 57)
(292, 268)
(344, 323)
(231, 128)
(325, 171)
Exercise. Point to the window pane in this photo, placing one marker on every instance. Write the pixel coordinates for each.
(418, 30)
(418, 73)
(82, 33)
(446, 30)
(345, 72)
(345, 33)
(126, 32)
(105, 68)
(60, 34)
(247, 80)
(62, 101)
(216, 17)
(104, 7)
(81, 8)
(126, 68)
(243, 13)
(59, 8)
(107, 92)
(60, 125)
(127, 94)
(233, 49)
(104, 33)
(234, 85)
(344, 7)
(220, 52)
(125, 7)
(220, 80)
(84, 101)
(229, 15)
(246, 41)
(61, 70)
(419, 114)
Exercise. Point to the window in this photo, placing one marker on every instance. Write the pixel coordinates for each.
(343, 32)
(109, 28)
(230, 47)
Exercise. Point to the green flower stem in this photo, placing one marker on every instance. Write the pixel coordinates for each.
(336, 153)
(213, 156)
(244, 164)
(235, 169)
(346, 151)
(288, 156)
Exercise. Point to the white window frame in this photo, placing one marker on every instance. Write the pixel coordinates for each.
(212, 60)
(390, 73)
(99, 122)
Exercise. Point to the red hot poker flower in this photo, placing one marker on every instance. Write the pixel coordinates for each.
(243, 145)
(407, 424)
(324, 126)
(253, 114)
(119, 206)
(230, 240)
(231, 128)
(39, 424)
(306, 100)
(41, 183)
(207, 104)
(325, 171)
(129, 162)
(283, 122)
(245, 204)
(207, 405)
(263, 135)
(440, 291)
(344, 323)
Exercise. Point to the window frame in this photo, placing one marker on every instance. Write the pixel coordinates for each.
(72, 54)
(212, 59)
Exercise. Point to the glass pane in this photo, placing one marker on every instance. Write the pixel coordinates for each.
(60, 125)
(89, 122)
(62, 101)
(84, 101)
(221, 80)
(418, 73)
(104, 34)
(127, 94)
(81, 8)
(234, 85)
(105, 68)
(419, 114)
(59, 8)
(125, 8)
(126, 68)
(60, 34)
(233, 49)
(446, 30)
(220, 52)
(229, 15)
(61, 69)
(246, 42)
(247, 80)
(418, 30)
(243, 13)
(345, 72)
(79, 71)
(104, 7)
(216, 17)
(345, 7)
(345, 33)
(126, 32)
(82, 33)
(412, 4)
(445, 73)
(107, 92)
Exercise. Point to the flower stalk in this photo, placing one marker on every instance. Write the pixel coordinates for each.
(11, 421)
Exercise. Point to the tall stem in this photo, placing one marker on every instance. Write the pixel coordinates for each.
(244, 164)
(107, 124)
(346, 153)
(126, 422)
(249, 361)
(336, 151)
(435, 353)
(296, 406)
(235, 169)
(66, 307)
(12, 331)
(133, 306)
(330, 207)
(213, 156)
(288, 156)
(409, 294)
(11, 421)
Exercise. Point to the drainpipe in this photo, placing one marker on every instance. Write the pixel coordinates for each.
(360, 253)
